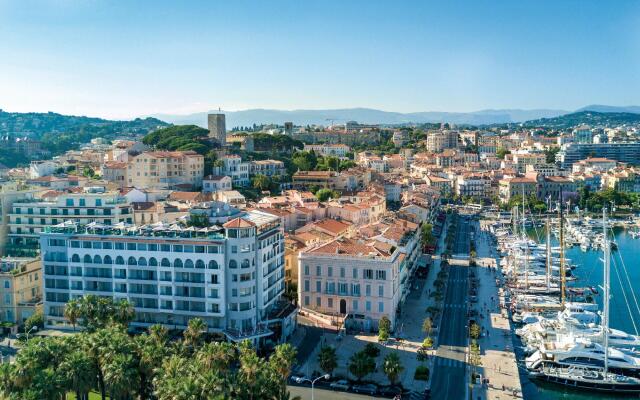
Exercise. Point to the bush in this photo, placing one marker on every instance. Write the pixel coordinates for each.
(372, 350)
(383, 336)
(427, 343)
(422, 373)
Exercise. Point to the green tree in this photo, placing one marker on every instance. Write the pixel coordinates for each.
(502, 152)
(326, 194)
(305, 160)
(327, 359)
(123, 312)
(261, 182)
(193, 335)
(427, 234)
(427, 325)
(392, 367)
(73, 311)
(361, 365)
(36, 320)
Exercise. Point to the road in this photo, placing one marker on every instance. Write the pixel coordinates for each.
(449, 374)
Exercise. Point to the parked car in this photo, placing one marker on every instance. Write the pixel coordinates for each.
(342, 384)
(296, 378)
(391, 391)
(369, 389)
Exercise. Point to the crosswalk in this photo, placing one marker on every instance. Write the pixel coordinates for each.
(455, 306)
(448, 362)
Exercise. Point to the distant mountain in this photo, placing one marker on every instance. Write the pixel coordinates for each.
(611, 109)
(591, 118)
(362, 115)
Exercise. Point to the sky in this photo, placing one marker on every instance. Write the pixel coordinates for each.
(122, 59)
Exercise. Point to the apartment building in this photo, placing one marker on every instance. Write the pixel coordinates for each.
(115, 172)
(517, 186)
(333, 150)
(271, 168)
(20, 288)
(350, 277)
(322, 179)
(230, 275)
(522, 160)
(9, 194)
(166, 170)
(233, 166)
(441, 140)
(216, 183)
(28, 217)
(474, 185)
(627, 152)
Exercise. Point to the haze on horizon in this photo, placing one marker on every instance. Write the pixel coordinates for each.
(128, 59)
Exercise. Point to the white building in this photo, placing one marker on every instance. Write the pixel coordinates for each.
(334, 150)
(38, 169)
(215, 183)
(233, 166)
(231, 276)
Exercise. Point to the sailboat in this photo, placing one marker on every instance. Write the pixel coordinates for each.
(586, 365)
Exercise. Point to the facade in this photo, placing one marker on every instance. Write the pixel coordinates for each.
(216, 183)
(233, 166)
(10, 194)
(115, 172)
(441, 140)
(231, 276)
(627, 152)
(334, 150)
(165, 170)
(20, 288)
(518, 186)
(323, 179)
(270, 168)
(348, 277)
(29, 217)
(474, 185)
(217, 128)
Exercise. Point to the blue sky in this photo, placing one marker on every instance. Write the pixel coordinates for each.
(129, 58)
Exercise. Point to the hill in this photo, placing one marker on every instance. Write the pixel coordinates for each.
(362, 115)
(60, 133)
(611, 109)
(591, 118)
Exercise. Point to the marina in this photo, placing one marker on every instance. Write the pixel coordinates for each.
(569, 341)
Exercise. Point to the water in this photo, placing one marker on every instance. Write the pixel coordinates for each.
(590, 273)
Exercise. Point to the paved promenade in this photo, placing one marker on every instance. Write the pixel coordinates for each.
(499, 364)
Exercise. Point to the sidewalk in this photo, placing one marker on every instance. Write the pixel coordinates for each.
(499, 364)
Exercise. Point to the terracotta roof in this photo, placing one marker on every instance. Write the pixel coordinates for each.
(331, 225)
(184, 196)
(345, 246)
(115, 165)
(239, 223)
(143, 205)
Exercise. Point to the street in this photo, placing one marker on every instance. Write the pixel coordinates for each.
(449, 372)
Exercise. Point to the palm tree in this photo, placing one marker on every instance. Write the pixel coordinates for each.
(282, 360)
(193, 333)
(159, 333)
(77, 370)
(361, 365)
(120, 376)
(123, 312)
(149, 353)
(327, 359)
(217, 356)
(72, 311)
(392, 367)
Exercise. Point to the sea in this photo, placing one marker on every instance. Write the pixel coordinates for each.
(624, 315)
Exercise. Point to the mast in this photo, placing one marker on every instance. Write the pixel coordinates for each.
(563, 280)
(548, 277)
(605, 316)
(526, 244)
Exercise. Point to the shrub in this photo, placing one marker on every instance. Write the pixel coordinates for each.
(427, 343)
(422, 373)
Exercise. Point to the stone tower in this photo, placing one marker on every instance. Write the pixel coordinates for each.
(217, 128)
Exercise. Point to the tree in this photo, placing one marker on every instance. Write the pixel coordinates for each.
(427, 325)
(123, 312)
(326, 194)
(305, 160)
(427, 234)
(474, 331)
(78, 373)
(327, 359)
(72, 311)
(392, 367)
(261, 182)
(501, 153)
(35, 320)
(550, 154)
(361, 365)
(193, 334)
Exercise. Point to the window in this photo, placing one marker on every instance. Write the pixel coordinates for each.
(342, 288)
(177, 263)
(318, 270)
(330, 302)
(233, 264)
(381, 291)
(98, 202)
(342, 272)
(82, 203)
(329, 271)
(368, 274)
(354, 305)
(119, 260)
(306, 300)
(69, 202)
(318, 301)
(367, 305)
(381, 275)
(306, 270)
(318, 286)
(354, 273)
(213, 264)
(380, 307)
(368, 290)
(355, 289)
(7, 284)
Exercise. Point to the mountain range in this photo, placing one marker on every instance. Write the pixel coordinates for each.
(373, 116)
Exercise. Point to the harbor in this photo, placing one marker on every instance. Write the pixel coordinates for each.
(569, 340)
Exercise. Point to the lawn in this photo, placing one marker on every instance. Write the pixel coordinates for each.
(92, 396)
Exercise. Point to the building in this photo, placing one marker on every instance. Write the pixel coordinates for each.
(322, 179)
(510, 187)
(443, 185)
(288, 128)
(166, 170)
(350, 277)
(472, 184)
(29, 217)
(231, 276)
(215, 183)
(115, 172)
(217, 128)
(626, 152)
(522, 160)
(583, 134)
(333, 150)
(10, 194)
(270, 168)
(440, 140)
(38, 169)
(20, 288)
(594, 164)
(233, 166)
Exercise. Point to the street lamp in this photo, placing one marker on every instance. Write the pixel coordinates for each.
(313, 382)
(28, 332)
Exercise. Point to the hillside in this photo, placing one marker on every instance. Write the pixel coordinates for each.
(591, 118)
(60, 133)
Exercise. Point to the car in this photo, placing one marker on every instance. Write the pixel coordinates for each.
(296, 378)
(342, 384)
(391, 391)
(369, 389)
